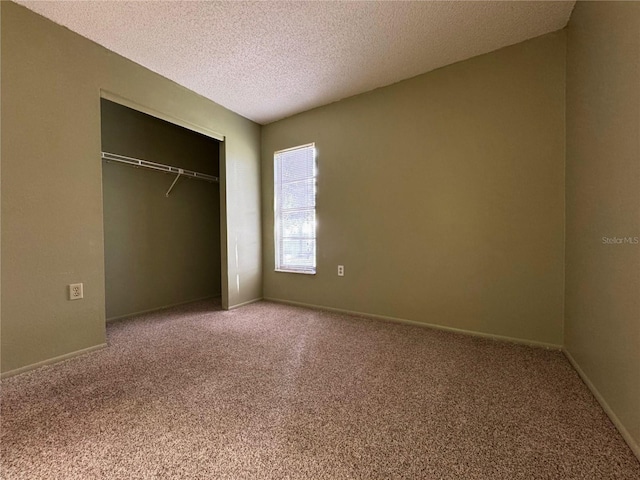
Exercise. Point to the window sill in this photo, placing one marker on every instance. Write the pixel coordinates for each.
(303, 272)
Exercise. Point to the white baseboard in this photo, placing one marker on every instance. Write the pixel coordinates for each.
(128, 315)
(532, 343)
(53, 360)
(635, 448)
(248, 302)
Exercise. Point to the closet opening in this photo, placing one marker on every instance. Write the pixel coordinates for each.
(161, 211)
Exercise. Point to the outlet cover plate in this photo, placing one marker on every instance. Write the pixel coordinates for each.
(75, 291)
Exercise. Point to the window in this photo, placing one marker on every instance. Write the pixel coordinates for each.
(295, 209)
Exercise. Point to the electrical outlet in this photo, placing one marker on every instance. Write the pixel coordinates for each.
(75, 291)
(341, 270)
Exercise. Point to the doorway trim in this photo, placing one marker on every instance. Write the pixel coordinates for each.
(224, 257)
(112, 97)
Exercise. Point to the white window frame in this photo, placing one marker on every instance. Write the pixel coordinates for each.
(278, 211)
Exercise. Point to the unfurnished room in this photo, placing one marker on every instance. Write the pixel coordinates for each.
(320, 240)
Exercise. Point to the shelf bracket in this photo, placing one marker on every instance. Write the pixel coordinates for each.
(174, 183)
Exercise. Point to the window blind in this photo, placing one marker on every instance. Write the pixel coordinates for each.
(295, 209)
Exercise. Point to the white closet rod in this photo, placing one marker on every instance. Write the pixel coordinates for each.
(112, 157)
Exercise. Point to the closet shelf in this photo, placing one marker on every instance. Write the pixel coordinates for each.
(136, 162)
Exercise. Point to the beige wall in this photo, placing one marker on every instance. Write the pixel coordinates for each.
(158, 250)
(52, 231)
(442, 195)
(602, 330)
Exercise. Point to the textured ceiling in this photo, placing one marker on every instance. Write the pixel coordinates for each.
(269, 59)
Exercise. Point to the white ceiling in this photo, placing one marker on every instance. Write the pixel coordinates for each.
(267, 60)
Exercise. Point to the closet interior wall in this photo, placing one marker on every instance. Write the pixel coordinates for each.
(159, 250)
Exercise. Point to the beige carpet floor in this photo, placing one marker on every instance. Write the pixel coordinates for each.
(276, 392)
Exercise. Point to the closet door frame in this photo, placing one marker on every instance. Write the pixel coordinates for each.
(224, 265)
